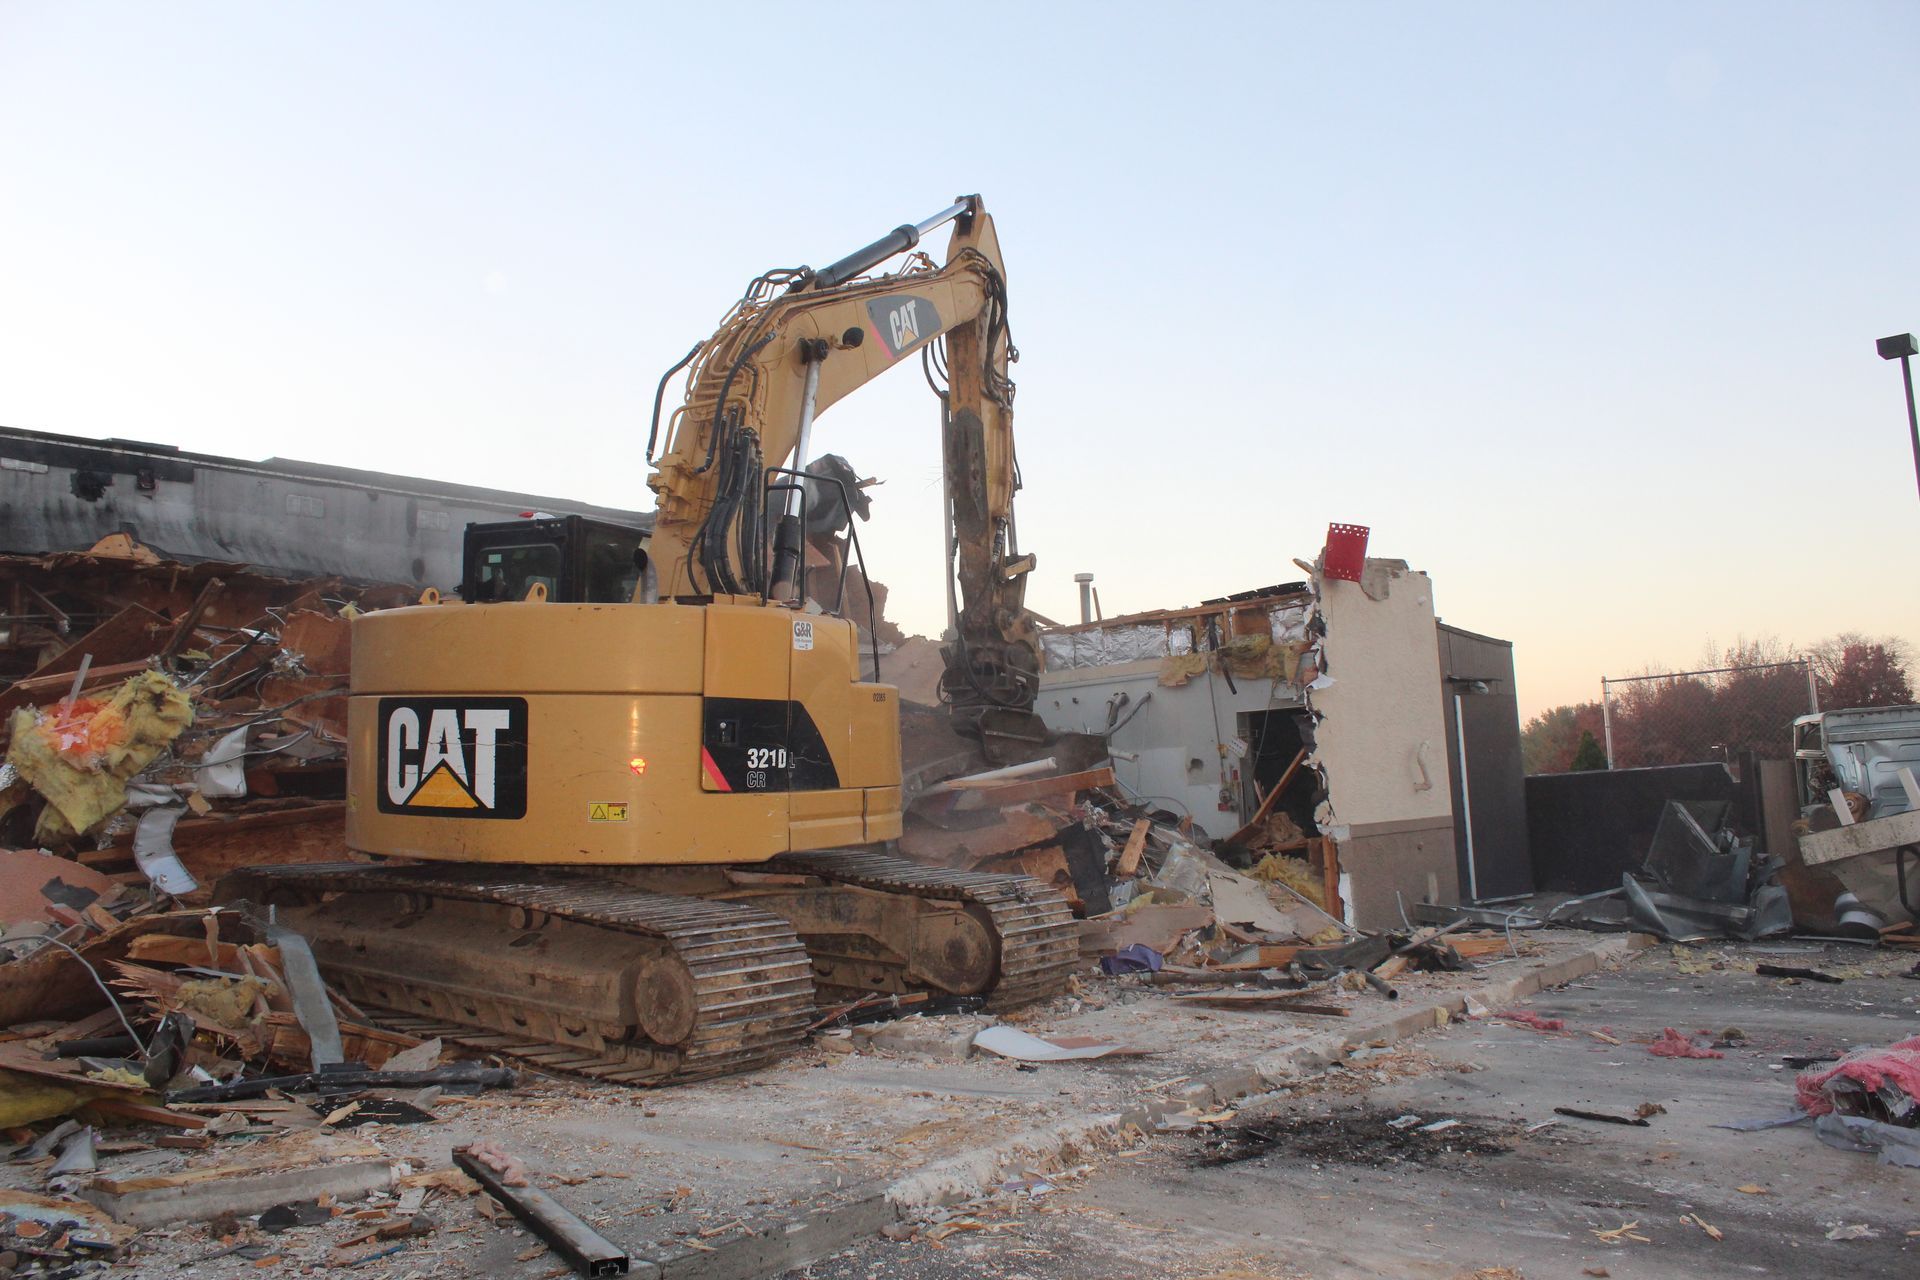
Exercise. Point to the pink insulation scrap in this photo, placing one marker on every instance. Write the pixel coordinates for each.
(1897, 1066)
(512, 1172)
(1528, 1018)
(1672, 1044)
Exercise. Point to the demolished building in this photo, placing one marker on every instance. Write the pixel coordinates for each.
(283, 517)
(1206, 708)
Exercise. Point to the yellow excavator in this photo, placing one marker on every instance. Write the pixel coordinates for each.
(623, 801)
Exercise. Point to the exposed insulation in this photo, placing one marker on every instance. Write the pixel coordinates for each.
(80, 754)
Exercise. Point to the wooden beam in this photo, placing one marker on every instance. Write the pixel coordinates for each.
(1129, 862)
(963, 849)
(1330, 877)
(168, 948)
(1260, 815)
(126, 1109)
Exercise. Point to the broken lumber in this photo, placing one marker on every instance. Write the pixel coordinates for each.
(1391, 967)
(1158, 925)
(1129, 861)
(1263, 1002)
(1272, 955)
(145, 1113)
(1252, 828)
(585, 1250)
(237, 1190)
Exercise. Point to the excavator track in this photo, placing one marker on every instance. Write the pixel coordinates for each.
(1039, 944)
(666, 988)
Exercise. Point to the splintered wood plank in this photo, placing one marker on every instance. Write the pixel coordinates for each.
(127, 1109)
(1130, 856)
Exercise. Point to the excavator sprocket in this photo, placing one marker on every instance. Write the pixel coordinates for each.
(568, 972)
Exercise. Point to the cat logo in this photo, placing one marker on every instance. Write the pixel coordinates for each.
(901, 323)
(903, 327)
(453, 757)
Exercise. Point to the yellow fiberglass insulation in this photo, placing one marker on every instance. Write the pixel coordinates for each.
(79, 755)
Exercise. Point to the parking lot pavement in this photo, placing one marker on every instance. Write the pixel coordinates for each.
(1319, 1182)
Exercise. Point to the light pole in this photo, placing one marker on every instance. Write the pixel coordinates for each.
(1903, 347)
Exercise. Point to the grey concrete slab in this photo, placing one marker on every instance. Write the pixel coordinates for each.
(1341, 1194)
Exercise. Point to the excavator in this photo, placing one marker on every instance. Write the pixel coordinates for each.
(621, 803)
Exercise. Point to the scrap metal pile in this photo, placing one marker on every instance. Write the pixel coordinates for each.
(1700, 880)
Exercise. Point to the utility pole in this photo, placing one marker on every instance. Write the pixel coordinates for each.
(1902, 346)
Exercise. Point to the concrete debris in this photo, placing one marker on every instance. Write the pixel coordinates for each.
(947, 1039)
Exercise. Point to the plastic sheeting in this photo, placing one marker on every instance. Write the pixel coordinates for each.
(1288, 625)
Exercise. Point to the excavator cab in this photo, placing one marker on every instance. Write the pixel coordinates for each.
(577, 560)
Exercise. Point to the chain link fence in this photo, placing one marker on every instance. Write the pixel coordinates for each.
(1692, 717)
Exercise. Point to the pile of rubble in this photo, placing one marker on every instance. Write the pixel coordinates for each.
(165, 717)
(166, 723)
(189, 1066)
(1154, 899)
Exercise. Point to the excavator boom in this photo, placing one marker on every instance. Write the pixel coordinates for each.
(795, 344)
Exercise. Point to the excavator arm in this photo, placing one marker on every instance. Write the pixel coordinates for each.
(796, 343)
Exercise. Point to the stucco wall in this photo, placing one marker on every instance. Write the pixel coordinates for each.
(1382, 740)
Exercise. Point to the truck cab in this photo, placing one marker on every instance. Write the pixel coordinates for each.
(1860, 750)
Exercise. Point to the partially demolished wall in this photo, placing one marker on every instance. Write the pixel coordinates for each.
(1184, 697)
(1381, 741)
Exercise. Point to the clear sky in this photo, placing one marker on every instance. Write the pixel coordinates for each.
(1574, 305)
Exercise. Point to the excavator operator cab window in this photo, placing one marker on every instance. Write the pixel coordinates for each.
(612, 569)
(508, 573)
(577, 560)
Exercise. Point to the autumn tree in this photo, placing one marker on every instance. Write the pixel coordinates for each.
(1856, 670)
(1743, 696)
(1868, 676)
(1552, 738)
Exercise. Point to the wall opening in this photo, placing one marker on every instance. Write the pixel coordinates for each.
(1273, 739)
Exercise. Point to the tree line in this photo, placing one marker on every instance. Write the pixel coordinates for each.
(1748, 699)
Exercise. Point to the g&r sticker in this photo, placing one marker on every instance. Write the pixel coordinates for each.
(802, 634)
(606, 811)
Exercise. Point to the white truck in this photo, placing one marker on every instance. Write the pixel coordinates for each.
(1873, 753)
